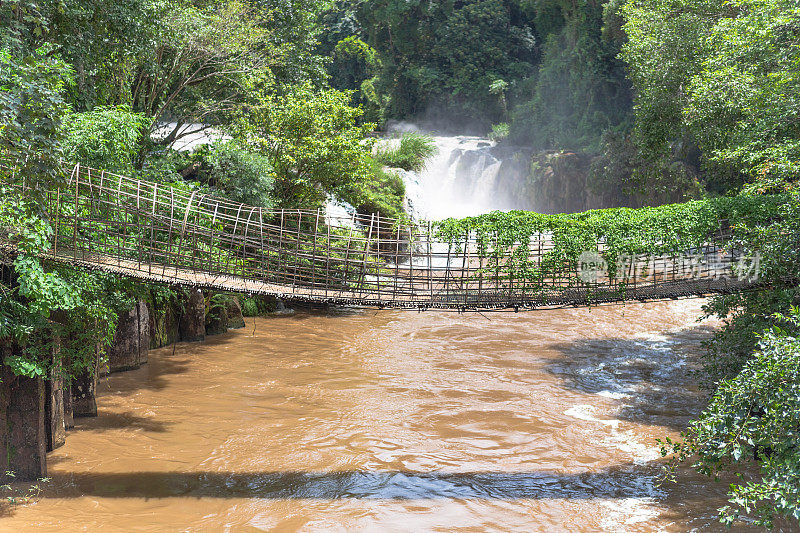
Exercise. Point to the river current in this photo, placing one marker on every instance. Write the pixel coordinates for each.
(395, 421)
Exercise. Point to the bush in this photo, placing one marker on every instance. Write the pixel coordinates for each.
(383, 193)
(258, 305)
(754, 420)
(411, 154)
(249, 307)
(499, 132)
(164, 165)
(106, 138)
(240, 175)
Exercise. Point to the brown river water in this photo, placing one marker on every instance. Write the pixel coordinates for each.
(395, 421)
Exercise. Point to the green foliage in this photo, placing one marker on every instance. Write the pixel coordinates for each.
(750, 425)
(722, 75)
(410, 153)
(662, 56)
(663, 230)
(499, 132)
(383, 193)
(249, 307)
(31, 108)
(579, 90)
(240, 175)
(742, 105)
(353, 67)
(753, 423)
(443, 53)
(312, 142)
(257, 305)
(106, 138)
(182, 62)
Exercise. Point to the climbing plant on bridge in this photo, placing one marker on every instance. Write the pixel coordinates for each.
(505, 239)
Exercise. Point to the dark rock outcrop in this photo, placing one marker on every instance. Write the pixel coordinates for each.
(559, 182)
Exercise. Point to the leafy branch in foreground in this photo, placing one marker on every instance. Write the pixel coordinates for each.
(752, 426)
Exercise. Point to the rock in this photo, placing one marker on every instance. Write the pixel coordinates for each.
(217, 317)
(192, 324)
(560, 182)
(235, 317)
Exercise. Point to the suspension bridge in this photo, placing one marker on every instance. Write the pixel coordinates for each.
(174, 235)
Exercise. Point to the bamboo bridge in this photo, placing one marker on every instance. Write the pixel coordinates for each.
(174, 235)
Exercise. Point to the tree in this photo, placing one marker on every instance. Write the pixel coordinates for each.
(579, 90)
(200, 67)
(312, 141)
(752, 424)
(106, 138)
(744, 103)
(721, 76)
(188, 63)
(446, 53)
(31, 109)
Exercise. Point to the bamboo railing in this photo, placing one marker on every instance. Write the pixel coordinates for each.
(166, 234)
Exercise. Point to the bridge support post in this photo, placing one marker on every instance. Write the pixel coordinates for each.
(69, 416)
(192, 325)
(163, 325)
(143, 315)
(55, 425)
(83, 389)
(23, 437)
(235, 316)
(131, 339)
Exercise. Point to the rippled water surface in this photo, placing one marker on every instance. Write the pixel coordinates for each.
(394, 421)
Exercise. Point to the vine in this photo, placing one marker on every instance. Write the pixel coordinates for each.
(504, 241)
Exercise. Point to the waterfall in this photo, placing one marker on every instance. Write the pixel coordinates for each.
(467, 176)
